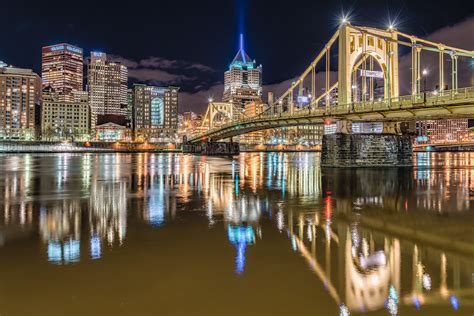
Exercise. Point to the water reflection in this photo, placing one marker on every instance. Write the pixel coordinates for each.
(392, 240)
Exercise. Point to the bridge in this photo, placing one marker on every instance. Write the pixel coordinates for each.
(366, 93)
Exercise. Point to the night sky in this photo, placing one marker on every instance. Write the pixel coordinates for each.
(191, 43)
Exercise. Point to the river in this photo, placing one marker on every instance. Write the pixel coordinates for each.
(257, 234)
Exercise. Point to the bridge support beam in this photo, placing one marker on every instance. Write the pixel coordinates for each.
(348, 150)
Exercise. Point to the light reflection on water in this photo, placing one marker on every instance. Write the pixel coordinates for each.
(383, 241)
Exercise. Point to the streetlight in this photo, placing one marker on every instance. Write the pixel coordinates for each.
(210, 100)
(425, 74)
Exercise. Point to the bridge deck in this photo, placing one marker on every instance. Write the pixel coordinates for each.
(446, 104)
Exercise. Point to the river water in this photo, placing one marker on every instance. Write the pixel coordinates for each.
(257, 234)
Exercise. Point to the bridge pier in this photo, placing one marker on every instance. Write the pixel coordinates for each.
(345, 149)
(212, 148)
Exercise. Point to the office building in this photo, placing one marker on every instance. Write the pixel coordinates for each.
(62, 69)
(155, 113)
(129, 114)
(20, 103)
(107, 86)
(253, 109)
(243, 80)
(442, 131)
(65, 119)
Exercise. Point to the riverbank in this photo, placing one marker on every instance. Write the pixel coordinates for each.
(85, 147)
(445, 148)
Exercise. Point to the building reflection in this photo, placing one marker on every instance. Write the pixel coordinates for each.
(60, 229)
(108, 211)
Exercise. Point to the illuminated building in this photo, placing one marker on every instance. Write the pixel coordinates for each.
(62, 119)
(442, 131)
(253, 109)
(155, 113)
(107, 86)
(62, 69)
(20, 101)
(189, 116)
(112, 128)
(471, 130)
(129, 113)
(243, 80)
(309, 134)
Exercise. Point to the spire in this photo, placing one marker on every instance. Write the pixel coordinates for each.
(241, 57)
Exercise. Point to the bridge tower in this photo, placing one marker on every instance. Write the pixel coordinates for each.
(358, 45)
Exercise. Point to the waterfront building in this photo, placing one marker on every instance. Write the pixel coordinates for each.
(309, 135)
(189, 116)
(107, 86)
(61, 119)
(20, 103)
(129, 113)
(112, 128)
(253, 109)
(442, 131)
(243, 80)
(155, 113)
(62, 69)
(470, 132)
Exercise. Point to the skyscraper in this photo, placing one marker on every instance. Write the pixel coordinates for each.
(62, 69)
(243, 80)
(155, 112)
(20, 101)
(107, 86)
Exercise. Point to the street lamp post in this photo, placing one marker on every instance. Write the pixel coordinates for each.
(309, 98)
(425, 74)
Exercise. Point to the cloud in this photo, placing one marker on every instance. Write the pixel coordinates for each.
(155, 75)
(459, 36)
(161, 71)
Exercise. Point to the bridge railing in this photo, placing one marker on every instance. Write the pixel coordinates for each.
(425, 99)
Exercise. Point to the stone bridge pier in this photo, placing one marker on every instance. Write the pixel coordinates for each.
(209, 148)
(386, 148)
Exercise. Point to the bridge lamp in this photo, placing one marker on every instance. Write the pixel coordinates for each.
(425, 74)
(210, 100)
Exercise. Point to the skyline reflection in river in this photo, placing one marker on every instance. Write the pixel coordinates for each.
(259, 234)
